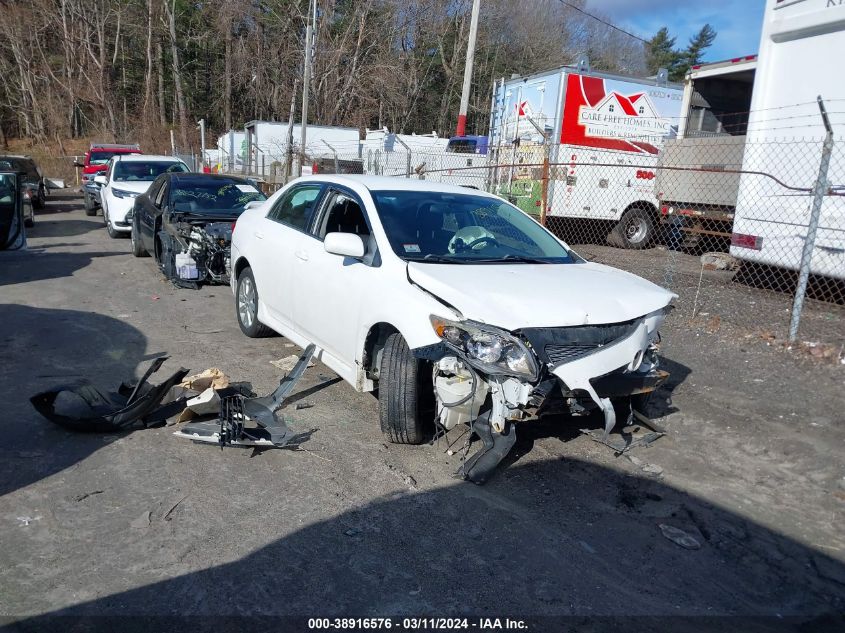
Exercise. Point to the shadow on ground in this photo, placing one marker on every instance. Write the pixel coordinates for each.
(44, 348)
(19, 267)
(519, 546)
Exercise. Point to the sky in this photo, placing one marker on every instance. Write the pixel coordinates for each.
(737, 22)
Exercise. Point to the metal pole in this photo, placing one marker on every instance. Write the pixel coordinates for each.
(819, 190)
(473, 31)
(306, 78)
(408, 158)
(334, 151)
(201, 124)
(289, 148)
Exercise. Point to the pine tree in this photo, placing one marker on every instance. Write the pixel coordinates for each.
(694, 53)
(661, 53)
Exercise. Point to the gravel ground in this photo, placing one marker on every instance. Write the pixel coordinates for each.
(752, 469)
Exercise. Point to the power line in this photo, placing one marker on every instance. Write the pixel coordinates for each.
(605, 22)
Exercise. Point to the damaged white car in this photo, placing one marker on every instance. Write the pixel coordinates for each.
(416, 288)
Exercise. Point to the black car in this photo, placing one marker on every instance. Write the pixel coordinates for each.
(185, 221)
(15, 210)
(30, 175)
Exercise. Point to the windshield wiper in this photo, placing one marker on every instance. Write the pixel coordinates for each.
(509, 259)
(441, 259)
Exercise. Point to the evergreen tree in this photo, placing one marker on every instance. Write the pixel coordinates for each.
(661, 53)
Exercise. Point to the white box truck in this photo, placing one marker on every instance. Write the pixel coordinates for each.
(698, 173)
(802, 43)
(607, 130)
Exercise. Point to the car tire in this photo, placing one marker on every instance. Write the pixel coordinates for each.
(30, 221)
(90, 208)
(40, 201)
(400, 400)
(635, 230)
(138, 249)
(112, 233)
(246, 306)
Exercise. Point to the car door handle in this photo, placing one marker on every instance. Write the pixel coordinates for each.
(303, 255)
(260, 236)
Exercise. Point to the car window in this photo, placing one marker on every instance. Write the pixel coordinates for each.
(296, 206)
(7, 190)
(144, 171)
(342, 214)
(436, 226)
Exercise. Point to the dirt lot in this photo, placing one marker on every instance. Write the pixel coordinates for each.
(752, 468)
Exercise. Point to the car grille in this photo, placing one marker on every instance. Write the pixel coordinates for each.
(563, 353)
(565, 344)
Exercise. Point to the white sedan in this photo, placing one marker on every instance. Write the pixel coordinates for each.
(414, 288)
(127, 177)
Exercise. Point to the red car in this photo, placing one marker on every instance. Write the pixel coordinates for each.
(96, 162)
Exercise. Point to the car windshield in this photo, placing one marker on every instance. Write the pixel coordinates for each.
(214, 195)
(99, 158)
(144, 171)
(438, 227)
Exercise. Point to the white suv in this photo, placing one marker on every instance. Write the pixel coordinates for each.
(411, 287)
(127, 177)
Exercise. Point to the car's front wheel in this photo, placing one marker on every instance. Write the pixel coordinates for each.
(138, 249)
(401, 394)
(246, 306)
(90, 207)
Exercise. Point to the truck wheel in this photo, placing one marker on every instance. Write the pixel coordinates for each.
(246, 306)
(400, 396)
(90, 209)
(635, 230)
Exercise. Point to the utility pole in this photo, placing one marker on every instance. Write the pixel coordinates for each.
(306, 78)
(473, 31)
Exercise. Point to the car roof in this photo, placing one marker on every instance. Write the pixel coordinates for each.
(146, 158)
(393, 183)
(17, 156)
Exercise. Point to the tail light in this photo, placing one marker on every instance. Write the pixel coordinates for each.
(234, 224)
(754, 242)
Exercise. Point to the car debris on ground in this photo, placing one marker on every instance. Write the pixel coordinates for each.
(234, 411)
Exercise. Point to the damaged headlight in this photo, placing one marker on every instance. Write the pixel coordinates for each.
(489, 349)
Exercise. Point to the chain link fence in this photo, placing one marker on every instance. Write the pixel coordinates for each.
(749, 233)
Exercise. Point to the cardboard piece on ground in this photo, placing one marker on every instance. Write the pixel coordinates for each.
(212, 377)
(288, 363)
(207, 403)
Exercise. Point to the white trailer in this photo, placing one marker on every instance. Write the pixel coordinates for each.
(266, 148)
(801, 44)
(605, 129)
(697, 176)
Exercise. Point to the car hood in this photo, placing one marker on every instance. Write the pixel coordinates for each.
(515, 296)
(131, 185)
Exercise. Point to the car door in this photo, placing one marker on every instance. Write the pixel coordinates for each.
(275, 239)
(147, 207)
(329, 289)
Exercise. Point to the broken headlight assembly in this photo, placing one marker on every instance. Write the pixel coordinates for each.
(488, 349)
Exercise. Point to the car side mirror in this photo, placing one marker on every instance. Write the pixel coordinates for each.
(344, 244)
(76, 163)
(100, 179)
